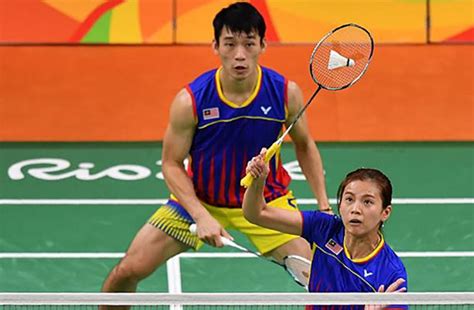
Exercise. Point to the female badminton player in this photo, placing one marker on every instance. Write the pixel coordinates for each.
(350, 252)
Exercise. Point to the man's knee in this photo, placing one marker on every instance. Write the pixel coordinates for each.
(131, 270)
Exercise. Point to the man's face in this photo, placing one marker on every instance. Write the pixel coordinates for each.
(239, 52)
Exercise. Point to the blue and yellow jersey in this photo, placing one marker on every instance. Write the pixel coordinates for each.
(333, 270)
(228, 135)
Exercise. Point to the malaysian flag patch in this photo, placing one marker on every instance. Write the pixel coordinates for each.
(211, 113)
(335, 247)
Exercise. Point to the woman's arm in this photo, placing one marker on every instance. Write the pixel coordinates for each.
(255, 208)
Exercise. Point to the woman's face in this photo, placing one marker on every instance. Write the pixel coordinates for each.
(361, 208)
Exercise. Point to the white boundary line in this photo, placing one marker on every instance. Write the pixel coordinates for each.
(301, 201)
(173, 265)
(109, 255)
(173, 271)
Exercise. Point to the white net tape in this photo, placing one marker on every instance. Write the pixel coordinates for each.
(435, 298)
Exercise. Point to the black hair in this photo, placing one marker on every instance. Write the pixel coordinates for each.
(239, 17)
(363, 174)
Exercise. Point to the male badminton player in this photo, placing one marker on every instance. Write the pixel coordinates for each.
(220, 120)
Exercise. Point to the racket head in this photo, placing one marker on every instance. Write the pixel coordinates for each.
(299, 268)
(341, 57)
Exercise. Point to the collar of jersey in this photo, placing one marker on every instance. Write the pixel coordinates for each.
(368, 257)
(249, 99)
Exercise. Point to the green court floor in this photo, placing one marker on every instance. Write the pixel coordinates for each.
(80, 204)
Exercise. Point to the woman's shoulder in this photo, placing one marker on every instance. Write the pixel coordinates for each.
(323, 221)
(392, 259)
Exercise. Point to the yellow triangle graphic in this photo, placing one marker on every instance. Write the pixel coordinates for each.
(77, 10)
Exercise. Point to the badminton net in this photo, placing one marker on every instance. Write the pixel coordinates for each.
(226, 301)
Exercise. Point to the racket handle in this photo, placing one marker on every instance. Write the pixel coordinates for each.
(228, 242)
(272, 151)
(193, 229)
(225, 241)
(248, 179)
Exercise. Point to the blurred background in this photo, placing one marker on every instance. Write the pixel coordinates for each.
(94, 70)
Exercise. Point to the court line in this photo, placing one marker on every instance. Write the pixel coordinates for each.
(109, 255)
(301, 201)
(173, 265)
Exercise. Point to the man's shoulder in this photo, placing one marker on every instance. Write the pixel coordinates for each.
(205, 76)
(272, 73)
(202, 81)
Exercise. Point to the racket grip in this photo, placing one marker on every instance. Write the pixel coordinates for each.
(193, 229)
(225, 241)
(248, 179)
(228, 242)
(272, 151)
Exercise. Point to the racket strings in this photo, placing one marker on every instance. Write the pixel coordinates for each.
(348, 50)
(299, 268)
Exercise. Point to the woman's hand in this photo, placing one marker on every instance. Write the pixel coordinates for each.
(257, 167)
(393, 288)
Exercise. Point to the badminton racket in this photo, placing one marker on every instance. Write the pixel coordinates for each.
(338, 61)
(298, 267)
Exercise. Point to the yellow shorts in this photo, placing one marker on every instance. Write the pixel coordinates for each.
(173, 219)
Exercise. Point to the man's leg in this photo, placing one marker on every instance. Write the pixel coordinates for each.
(271, 242)
(150, 248)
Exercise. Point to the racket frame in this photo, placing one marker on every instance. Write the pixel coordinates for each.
(311, 71)
(247, 180)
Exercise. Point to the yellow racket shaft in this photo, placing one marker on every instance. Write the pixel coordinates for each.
(248, 179)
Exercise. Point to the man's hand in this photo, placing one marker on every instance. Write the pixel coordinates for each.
(210, 231)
